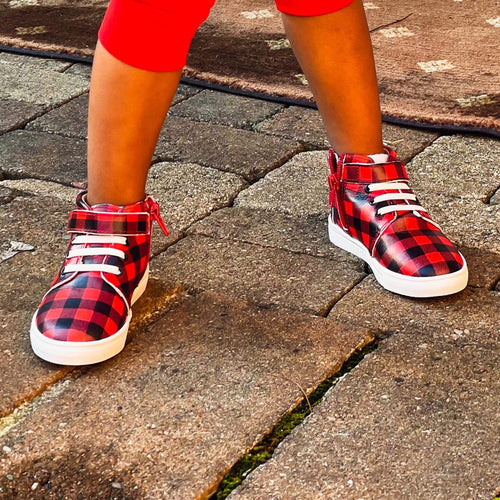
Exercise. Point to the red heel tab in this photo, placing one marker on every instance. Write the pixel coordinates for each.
(332, 161)
(154, 210)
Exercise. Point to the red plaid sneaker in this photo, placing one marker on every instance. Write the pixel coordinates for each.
(84, 317)
(376, 216)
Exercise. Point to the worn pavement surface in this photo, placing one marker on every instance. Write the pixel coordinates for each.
(248, 308)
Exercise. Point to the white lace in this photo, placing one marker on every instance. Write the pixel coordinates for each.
(95, 251)
(397, 195)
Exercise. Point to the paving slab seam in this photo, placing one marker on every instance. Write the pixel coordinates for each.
(494, 199)
(263, 450)
(50, 391)
(348, 290)
(249, 179)
(268, 117)
(41, 113)
(420, 150)
(185, 232)
(190, 232)
(52, 107)
(9, 176)
(13, 414)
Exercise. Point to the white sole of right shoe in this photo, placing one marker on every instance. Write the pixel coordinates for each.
(410, 286)
(68, 353)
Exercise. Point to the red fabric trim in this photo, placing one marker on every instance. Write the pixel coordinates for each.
(311, 8)
(152, 34)
(155, 35)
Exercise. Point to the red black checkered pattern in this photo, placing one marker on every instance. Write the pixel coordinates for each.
(100, 222)
(92, 305)
(414, 247)
(406, 241)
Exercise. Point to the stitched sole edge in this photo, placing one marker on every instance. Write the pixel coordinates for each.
(410, 286)
(63, 352)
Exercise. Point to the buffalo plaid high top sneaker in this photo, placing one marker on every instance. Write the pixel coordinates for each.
(376, 216)
(84, 317)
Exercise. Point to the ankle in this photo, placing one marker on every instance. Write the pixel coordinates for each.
(119, 200)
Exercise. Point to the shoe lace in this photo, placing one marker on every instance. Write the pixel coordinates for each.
(399, 191)
(100, 249)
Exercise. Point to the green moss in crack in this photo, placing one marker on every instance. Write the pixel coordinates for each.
(264, 450)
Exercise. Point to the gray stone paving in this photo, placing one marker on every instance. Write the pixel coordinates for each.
(225, 109)
(413, 420)
(29, 81)
(198, 391)
(242, 152)
(236, 294)
(41, 155)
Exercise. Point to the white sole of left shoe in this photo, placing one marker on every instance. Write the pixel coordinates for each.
(83, 353)
(410, 286)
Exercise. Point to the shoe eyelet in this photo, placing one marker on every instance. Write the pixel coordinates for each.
(367, 189)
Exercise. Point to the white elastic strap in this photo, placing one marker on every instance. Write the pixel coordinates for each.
(103, 238)
(379, 157)
(385, 186)
(399, 208)
(394, 196)
(105, 268)
(87, 252)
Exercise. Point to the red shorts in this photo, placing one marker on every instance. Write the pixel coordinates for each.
(155, 34)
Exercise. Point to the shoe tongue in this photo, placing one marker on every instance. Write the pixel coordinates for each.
(108, 207)
(370, 159)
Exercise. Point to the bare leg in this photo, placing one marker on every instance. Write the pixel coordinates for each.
(335, 53)
(126, 111)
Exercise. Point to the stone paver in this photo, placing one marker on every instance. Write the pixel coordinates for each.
(14, 114)
(187, 192)
(242, 152)
(407, 142)
(466, 221)
(193, 389)
(300, 187)
(300, 124)
(184, 92)
(474, 309)
(69, 120)
(458, 166)
(305, 125)
(177, 408)
(79, 69)
(38, 81)
(484, 267)
(414, 420)
(225, 109)
(36, 187)
(36, 63)
(265, 276)
(43, 156)
(307, 234)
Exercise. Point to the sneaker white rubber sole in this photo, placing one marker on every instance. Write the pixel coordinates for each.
(62, 352)
(411, 286)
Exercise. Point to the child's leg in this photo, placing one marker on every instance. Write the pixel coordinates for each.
(374, 213)
(126, 111)
(137, 67)
(335, 53)
(84, 317)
